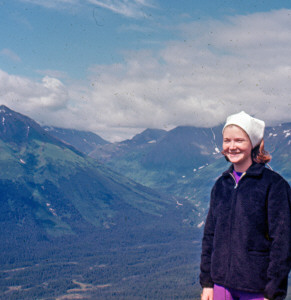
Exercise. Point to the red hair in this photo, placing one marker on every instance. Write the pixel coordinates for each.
(260, 155)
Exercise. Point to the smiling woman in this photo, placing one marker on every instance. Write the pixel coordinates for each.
(246, 248)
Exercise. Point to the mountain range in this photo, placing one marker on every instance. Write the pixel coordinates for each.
(186, 160)
(69, 222)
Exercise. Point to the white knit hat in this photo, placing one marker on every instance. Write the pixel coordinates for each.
(252, 126)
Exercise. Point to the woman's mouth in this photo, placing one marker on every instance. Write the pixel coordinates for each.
(233, 153)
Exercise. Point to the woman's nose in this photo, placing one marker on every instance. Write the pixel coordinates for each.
(232, 145)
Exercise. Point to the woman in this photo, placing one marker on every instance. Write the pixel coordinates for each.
(246, 247)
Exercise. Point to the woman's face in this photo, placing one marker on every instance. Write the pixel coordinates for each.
(237, 147)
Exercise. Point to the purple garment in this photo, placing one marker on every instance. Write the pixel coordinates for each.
(237, 175)
(222, 293)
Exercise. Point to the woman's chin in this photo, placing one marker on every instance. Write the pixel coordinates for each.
(234, 159)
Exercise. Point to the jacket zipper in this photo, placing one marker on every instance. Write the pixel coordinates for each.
(231, 216)
(236, 183)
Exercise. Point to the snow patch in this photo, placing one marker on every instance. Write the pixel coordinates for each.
(213, 134)
(53, 211)
(201, 167)
(22, 161)
(178, 203)
(152, 142)
(200, 224)
(287, 133)
(28, 128)
(3, 121)
(194, 170)
(272, 134)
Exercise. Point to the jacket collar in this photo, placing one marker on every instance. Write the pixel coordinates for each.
(254, 170)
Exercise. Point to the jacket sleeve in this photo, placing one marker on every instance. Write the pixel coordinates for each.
(279, 223)
(207, 245)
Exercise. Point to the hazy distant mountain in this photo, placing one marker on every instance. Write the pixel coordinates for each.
(176, 149)
(164, 161)
(85, 141)
(182, 149)
(148, 136)
(186, 160)
(139, 143)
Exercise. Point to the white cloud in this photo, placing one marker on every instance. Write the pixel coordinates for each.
(219, 68)
(10, 54)
(127, 8)
(40, 100)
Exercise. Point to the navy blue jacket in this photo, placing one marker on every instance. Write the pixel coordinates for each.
(247, 235)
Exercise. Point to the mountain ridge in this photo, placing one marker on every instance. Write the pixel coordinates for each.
(41, 163)
(84, 140)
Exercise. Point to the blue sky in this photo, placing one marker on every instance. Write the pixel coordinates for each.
(118, 67)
